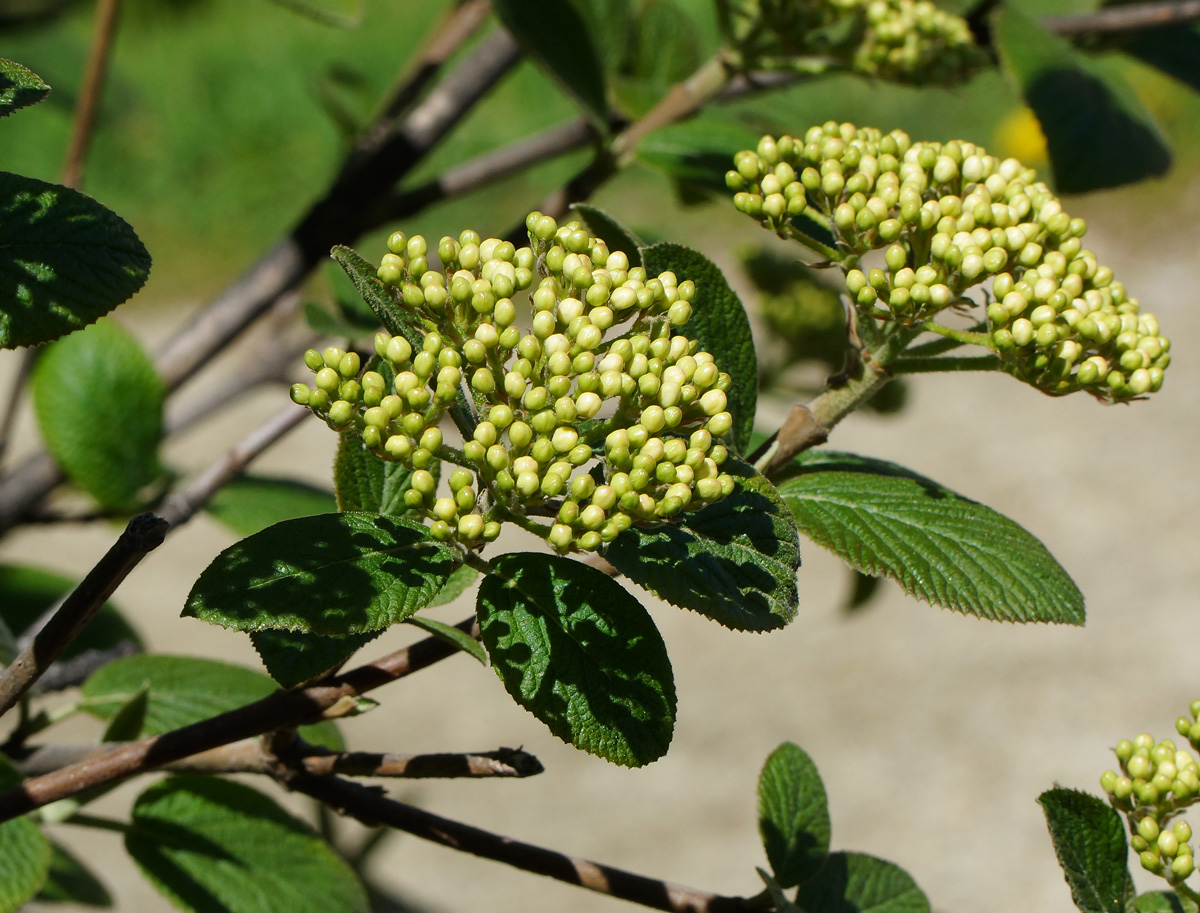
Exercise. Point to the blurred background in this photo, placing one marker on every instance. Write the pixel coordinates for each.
(222, 121)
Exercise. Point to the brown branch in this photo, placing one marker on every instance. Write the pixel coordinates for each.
(144, 533)
(1133, 18)
(372, 808)
(281, 710)
(88, 102)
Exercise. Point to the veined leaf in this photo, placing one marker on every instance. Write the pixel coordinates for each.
(333, 574)
(24, 852)
(295, 657)
(210, 844)
(793, 814)
(364, 482)
(734, 560)
(249, 504)
(577, 651)
(99, 405)
(720, 324)
(19, 87)
(858, 883)
(886, 521)
(1089, 840)
(67, 261)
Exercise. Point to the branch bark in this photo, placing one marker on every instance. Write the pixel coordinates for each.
(1132, 18)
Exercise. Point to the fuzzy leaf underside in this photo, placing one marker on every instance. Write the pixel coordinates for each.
(942, 548)
(65, 261)
(99, 403)
(720, 324)
(793, 814)
(734, 560)
(858, 883)
(19, 87)
(208, 844)
(1089, 841)
(577, 651)
(333, 574)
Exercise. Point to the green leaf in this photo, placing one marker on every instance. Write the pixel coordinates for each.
(70, 881)
(1172, 50)
(333, 574)
(67, 261)
(581, 654)
(1089, 840)
(363, 482)
(663, 47)
(19, 87)
(698, 151)
(779, 900)
(720, 323)
(1164, 902)
(249, 504)
(180, 690)
(294, 657)
(346, 14)
(793, 814)
(26, 593)
(450, 634)
(941, 547)
(391, 313)
(858, 883)
(553, 33)
(209, 844)
(99, 404)
(734, 560)
(24, 852)
(456, 584)
(1097, 132)
(609, 230)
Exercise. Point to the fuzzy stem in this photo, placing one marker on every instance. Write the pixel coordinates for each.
(932, 365)
(963, 337)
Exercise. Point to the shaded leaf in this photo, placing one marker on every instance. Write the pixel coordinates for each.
(1097, 132)
(581, 654)
(456, 584)
(99, 404)
(1174, 50)
(554, 34)
(941, 547)
(249, 504)
(1089, 841)
(334, 574)
(19, 87)
(698, 150)
(451, 635)
(67, 261)
(610, 231)
(211, 844)
(793, 814)
(720, 324)
(24, 852)
(364, 482)
(345, 14)
(70, 881)
(780, 901)
(295, 657)
(734, 560)
(663, 47)
(1164, 902)
(858, 883)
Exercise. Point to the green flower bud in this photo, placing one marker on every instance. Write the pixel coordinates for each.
(470, 527)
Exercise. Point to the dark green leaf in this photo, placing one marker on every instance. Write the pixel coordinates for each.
(26, 593)
(857, 883)
(295, 657)
(456, 584)
(209, 844)
(734, 560)
(19, 87)
(942, 548)
(779, 900)
(664, 47)
(554, 34)
(699, 150)
(99, 405)
(24, 852)
(180, 690)
(1164, 902)
(1097, 132)
(334, 574)
(793, 814)
(129, 721)
(720, 324)
(345, 14)
(249, 504)
(391, 313)
(451, 635)
(67, 261)
(326, 324)
(8, 643)
(1173, 49)
(612, 232)
(70, 881)
(578, 652)
(364, 482)
(1089, 840)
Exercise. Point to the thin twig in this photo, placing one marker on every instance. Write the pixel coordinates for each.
(144, 533)
(68, 673)
(105, 29)
(1132, 18)
(281, 710)
(372, 808)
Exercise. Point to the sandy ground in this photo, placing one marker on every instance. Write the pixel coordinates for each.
(934, 732)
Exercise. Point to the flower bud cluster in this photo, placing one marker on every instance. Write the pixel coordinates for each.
(906, 41)
(949, 217)
(598, 416)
